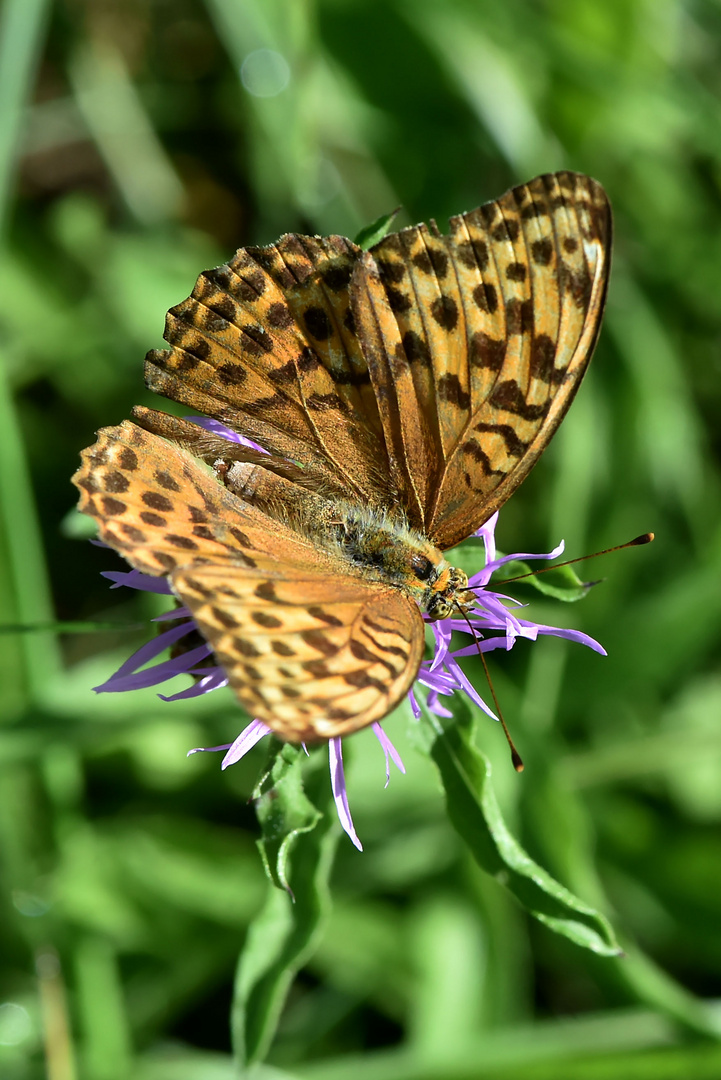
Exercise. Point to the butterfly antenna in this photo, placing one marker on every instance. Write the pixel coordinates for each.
(515, 756)
(646, 538)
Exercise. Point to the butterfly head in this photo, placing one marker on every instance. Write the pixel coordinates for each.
(448, 593)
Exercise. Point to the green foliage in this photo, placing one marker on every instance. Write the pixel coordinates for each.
(135, 151)
(475, 814)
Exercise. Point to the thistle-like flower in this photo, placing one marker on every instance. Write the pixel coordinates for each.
(494, 621)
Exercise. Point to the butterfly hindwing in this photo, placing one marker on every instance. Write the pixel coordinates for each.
(311, 655)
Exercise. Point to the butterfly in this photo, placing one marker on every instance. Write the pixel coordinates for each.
(389, 401)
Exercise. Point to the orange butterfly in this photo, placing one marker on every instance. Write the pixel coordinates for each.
(390, 401)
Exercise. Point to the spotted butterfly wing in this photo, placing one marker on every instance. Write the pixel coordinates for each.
(308, 646)
(427, 374)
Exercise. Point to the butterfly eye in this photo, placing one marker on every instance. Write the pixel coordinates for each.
(422, 567)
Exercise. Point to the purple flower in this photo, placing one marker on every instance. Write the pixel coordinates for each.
(495, 620)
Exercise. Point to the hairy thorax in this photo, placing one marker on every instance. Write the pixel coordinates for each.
(378, 543)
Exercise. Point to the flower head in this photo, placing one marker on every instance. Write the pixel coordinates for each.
(494, 620)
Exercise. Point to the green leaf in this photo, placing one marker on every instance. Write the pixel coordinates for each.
(284, 812)
(300, 834)
(474, 813)
(372, 234)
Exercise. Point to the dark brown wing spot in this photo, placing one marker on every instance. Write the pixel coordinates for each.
(117, 483)
(281, 648)
(515, 446)
(113, 507)
(224, 618)
(473, 449)
(317, 639)
(416, 349)
(156, 501)
(153, 519)
(516, 271)
(445, 311)
(136, 535)
(363, 681)
(317, 323)
(486, 351)
(245, 648)
(266, 591)
(391, 272)
(202, 531)
(486, 297)
(570, 244)
(542, 251)
(337, 277)
(308, 359)
(362, 652)
(263, 618)
(473, 254)
(198, 587)
(507, 230)
(543, 355)
(519, 316)
(165, 559)
(231, 374)
(450, 390)
(279, 315)
(509, 397)
(166, 480)
(399, 301)
(257, 340)
(223, 306)
(433, 260)
(128, 459)
(241, 537)
(578, 283)
(185, 542)
(324, 616)
(323, 402)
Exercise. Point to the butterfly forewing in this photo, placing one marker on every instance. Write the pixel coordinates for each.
(313, 656)
(504, 313)
(267, 345)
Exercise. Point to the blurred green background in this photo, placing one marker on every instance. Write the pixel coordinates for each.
(142, 141)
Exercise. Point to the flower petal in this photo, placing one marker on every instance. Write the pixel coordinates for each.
(340, 796)
(249, 736)
(389, 750)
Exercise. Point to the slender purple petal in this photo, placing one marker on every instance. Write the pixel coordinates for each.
(482, 577)
(208, 749)
(465, 684)
(487, 533)
(442, 631)
(174, 613)
(136, 579)
(571, 635)
(150, 650)
(340, 796)
(247, 739)
(210, 679)
(224, 432)
(167, 669)
(389, 750)
(435, 706)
